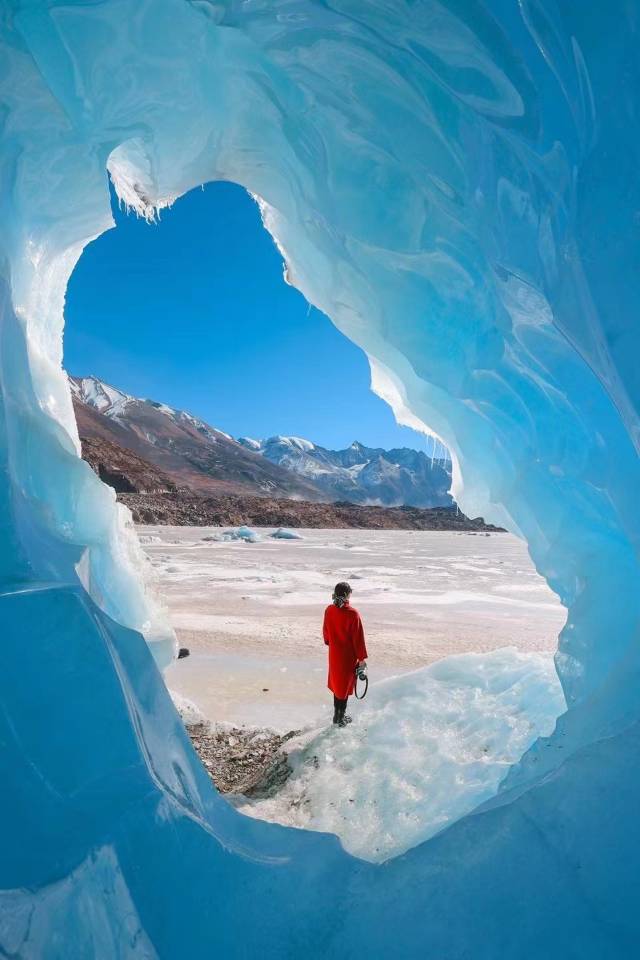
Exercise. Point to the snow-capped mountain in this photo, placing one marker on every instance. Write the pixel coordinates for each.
(104, 398)
(362, 474)
(188, 451)
(116, 405)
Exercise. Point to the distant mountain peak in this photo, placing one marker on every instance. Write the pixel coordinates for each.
(186, 451)
(113, 403)
(297, 442)
(361, 474)
(192, 453)
(100, 395)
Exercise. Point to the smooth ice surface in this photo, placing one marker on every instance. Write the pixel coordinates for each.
(423, 750)
(455, 185)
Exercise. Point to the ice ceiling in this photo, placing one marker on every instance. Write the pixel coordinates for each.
(456, 185)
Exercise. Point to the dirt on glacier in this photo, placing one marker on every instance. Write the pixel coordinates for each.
(241, 761)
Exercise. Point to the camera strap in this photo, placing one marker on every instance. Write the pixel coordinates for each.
(366, 686)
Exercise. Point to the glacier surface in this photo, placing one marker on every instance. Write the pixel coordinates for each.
(425, 749)
(454, 182)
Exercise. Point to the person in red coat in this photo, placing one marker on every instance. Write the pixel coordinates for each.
(344, 635)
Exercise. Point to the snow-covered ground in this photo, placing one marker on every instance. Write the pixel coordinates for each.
(251, 612)
(460, 631)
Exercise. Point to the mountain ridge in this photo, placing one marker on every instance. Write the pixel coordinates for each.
(370, 476)
(137, 447)
(190, 453)
(187, 450)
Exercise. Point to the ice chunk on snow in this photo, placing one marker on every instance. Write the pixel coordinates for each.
(284, 534)
(423, 750)
(242, 533)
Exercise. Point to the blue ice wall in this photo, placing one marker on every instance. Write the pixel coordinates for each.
(455, 185)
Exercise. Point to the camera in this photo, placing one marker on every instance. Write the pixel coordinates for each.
(361, 671)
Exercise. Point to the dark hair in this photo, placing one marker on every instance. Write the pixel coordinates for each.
(341, 593)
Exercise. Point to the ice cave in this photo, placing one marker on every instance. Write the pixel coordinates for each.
(455, 183)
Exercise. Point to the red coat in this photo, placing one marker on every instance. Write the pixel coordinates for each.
(344, 635)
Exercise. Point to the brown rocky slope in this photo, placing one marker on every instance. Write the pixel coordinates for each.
(190, 453)
(155, 496)
(183, 509)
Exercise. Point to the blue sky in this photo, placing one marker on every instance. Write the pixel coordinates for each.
(194, 312)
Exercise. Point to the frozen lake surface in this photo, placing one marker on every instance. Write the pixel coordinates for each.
(251, 613)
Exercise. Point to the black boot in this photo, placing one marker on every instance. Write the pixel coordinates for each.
(343, 719)
(338, 709)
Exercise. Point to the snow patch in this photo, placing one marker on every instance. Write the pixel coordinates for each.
(250, 443)
(100, 395)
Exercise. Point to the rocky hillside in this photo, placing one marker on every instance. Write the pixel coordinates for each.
(124, 470)
(202, 458)
(187, 451)
(168, 467)
(181, 509)
(360, 474)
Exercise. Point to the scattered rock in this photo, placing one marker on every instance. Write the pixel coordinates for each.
(183, 508)
(240, 761)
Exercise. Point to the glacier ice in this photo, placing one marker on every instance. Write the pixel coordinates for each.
(241, 533)
(425, 749)
(454, 182)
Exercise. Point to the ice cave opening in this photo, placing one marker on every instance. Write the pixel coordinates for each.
(455, 185)
(429, 745)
